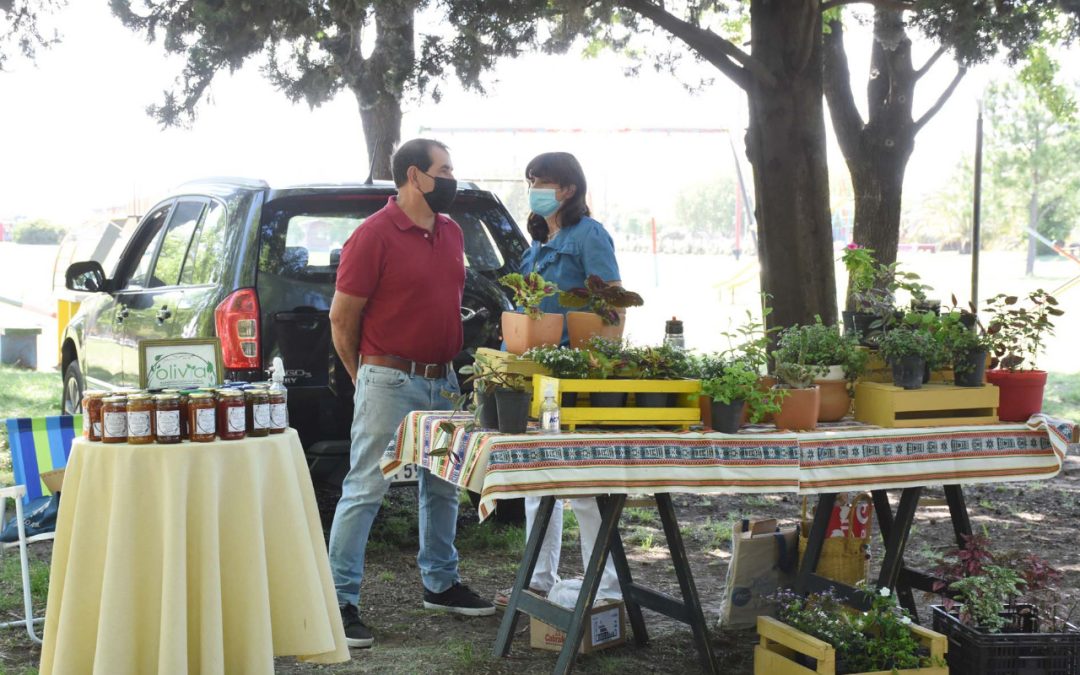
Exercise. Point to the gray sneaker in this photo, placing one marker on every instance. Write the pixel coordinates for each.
(356, 633)
(458, 599)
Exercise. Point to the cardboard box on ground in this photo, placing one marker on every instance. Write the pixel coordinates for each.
(605, 627)
(763, 559)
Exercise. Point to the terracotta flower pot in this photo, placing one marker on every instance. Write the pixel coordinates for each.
(799, 409)
(1021, 393)
(583, 325)
(522, 333)
(835, 400)
(765, 383)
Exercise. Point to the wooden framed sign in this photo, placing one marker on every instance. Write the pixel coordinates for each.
(180, 364)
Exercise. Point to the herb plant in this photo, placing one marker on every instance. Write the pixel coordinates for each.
(564, 362)
(602, 298)
(904, 341)
(529, 290)
(1017, 333)
(735, 381)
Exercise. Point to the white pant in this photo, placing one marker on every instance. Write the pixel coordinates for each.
(546, 572)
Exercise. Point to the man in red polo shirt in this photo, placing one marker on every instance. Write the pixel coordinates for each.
(396, 324)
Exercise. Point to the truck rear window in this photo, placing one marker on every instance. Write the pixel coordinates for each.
(302, 239)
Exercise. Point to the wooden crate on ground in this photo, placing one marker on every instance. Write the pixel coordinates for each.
(780, 645)
(683, 414)
(934, 405)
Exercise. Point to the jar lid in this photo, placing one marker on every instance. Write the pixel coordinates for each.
(259, 385)
(139, 396)
(170, 391)
(96, 393)
(230, 393)
(256, 392)
(114, 399)
(167, 397)
(202, 394)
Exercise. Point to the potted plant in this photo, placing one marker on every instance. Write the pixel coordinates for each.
(748, 343)
(486, 381)
(659, 363)
(603, 367)
(1016, 334)
(873, 288)
(862, 270)
(907, 350)
(734, 393)
(819, 634)
(966, 348)
(513, 400)
(603, 300)
(565, 363)
(1004, 614)
(837, 358)
(530, 327)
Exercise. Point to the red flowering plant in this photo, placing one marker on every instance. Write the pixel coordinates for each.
(602, 298)
(529, 290)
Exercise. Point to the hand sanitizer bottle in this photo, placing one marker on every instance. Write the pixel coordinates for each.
(549, 412)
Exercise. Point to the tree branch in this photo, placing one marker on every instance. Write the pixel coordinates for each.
(716, 50)
(898, 5)
(930, 62)
(847, 122)
(961, 71)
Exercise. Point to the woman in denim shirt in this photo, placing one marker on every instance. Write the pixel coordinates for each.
(567, 247)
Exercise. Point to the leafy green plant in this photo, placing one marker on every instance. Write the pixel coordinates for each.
(621, 358)
(1017, 333)
(861, 267)
(602, 298)
(564, 362)
(985, 596)
(958, 341)
(738, 380)
(793, 366)
(904, 341)
(529, 290)
(661, 363)
(819, 345)
(749, 342)
(879, 639)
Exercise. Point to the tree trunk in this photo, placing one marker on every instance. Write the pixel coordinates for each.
(380, 80)
(878, 151)
(785, 144)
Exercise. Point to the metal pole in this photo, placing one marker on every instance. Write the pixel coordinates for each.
(975, 224)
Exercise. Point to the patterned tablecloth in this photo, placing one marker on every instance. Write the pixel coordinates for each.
(831, 459)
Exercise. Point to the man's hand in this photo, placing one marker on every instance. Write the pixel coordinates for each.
(345, 311)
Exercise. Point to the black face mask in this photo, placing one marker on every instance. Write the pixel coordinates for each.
(442, 195)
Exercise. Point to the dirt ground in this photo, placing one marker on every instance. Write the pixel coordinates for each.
(1035, 516)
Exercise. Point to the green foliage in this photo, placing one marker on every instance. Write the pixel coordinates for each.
(38, 232)
(739, 381)
(529, 290)
(1016, 333)
(661, 363)
(861, 267)
(906, 341)
(819, 345)
(708, 207)
(601, 298)
(612, 356)
(879, 639)
(564, 362)
(749, 342)
(986, 595)
(958, 341)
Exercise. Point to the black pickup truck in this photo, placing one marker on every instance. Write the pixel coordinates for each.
(255, 266)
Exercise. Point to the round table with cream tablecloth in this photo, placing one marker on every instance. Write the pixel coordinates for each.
(190, 558)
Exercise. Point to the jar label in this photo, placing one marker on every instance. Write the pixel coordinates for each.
(205, 421)
(260, 415)
(115, 424)
(97, 429)
(279, 416)
(139, 423)
(236, 420)
(168, 422)
(86, 424)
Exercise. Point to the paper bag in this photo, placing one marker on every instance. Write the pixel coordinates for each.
(763, 560)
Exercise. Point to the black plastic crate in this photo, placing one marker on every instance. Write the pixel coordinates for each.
(973, 652)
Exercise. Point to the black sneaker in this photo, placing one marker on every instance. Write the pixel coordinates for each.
(356, 633)
(459, 600)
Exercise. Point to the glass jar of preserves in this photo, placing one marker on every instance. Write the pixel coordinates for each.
(140, 419)
(279, 413)
(202, 416)
(231, 414)
(167, 418)
(114, 419)
(91, 412)
(257, 414)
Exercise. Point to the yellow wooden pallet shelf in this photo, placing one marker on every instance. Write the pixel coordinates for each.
(934, 405)
(505, 362)
(877, 370)
(684, 413)
(775, 653)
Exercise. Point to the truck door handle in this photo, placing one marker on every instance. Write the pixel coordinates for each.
(122, 314)
(163, 314)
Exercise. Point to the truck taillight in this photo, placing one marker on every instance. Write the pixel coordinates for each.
(237, 321)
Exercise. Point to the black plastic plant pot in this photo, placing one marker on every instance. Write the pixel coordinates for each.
(569, 399)
(654, 400)
(726, 417)
(513, 410)
(488, 413)
(908, 372)
(607, 399)
(970, 369)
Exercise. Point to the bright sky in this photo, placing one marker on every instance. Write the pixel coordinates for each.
(74, 136)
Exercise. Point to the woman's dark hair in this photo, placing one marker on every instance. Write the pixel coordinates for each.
(563, 169)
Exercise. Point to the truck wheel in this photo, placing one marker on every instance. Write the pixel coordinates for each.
(71, 404)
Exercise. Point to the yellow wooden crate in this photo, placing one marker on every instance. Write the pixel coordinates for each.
(505, 362)
(877, 370)
(684, 413)
(934, 405)
(774, 654)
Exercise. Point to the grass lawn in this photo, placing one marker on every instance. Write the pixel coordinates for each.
(24, 393)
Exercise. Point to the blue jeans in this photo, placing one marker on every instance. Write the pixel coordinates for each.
(384, 396)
